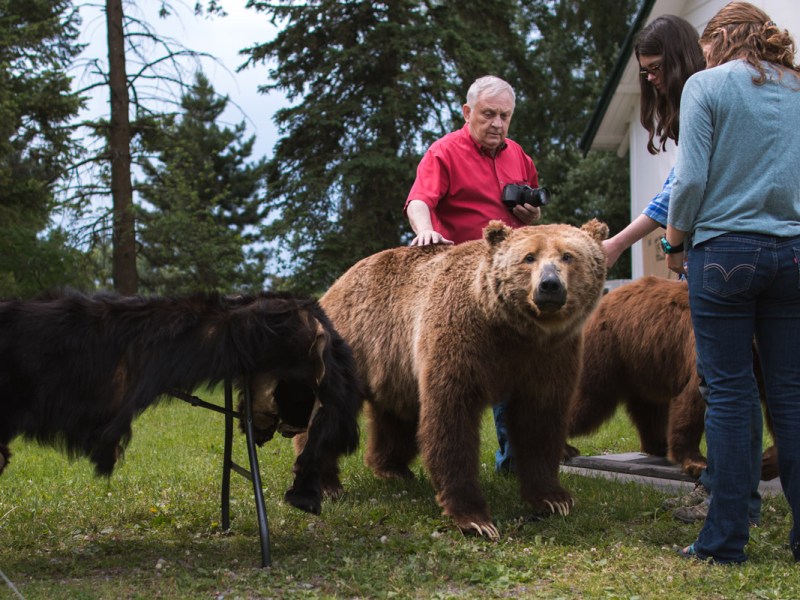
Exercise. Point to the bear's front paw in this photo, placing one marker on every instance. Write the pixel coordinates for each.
(558, 502)
(476, 525)
(306, 500)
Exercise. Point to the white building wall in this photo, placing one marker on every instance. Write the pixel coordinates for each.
(648, 173)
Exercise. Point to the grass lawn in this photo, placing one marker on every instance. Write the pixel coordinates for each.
(152, 531)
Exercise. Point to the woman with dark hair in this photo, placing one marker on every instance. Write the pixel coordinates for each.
(736, 205)
(668, 53)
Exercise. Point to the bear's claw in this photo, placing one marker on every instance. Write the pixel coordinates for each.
(489, 531)
(562, 508)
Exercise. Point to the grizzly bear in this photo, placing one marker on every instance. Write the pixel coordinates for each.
(639, 352)
(441, 332)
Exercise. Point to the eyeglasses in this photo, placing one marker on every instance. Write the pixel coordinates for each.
(651, 70)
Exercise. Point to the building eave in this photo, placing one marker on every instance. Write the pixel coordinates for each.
(587, 139)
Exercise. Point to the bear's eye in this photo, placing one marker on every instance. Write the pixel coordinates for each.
(530, 258)
(567, 258)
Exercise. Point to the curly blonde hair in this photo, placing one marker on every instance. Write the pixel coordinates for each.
(743, 31)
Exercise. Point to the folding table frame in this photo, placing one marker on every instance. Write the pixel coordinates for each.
(228, 464)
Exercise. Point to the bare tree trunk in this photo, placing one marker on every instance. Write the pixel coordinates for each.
(126, 280)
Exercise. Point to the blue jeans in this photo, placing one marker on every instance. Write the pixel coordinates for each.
(504, 456)
(741, 286)
(754, 506)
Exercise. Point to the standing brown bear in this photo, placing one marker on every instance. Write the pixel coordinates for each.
(634, 340)
(441, 332)
(639, 352)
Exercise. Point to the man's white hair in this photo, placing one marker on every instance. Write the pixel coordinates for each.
(488, 85)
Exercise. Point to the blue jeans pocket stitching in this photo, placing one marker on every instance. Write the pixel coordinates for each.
(727, 271)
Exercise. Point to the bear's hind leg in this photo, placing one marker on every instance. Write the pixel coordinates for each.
(686, 426)
(391, 444)
(650, 419)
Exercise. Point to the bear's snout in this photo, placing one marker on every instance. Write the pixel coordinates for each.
(551, 294)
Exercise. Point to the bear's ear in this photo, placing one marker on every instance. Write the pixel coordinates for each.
(495, 232)
(597, 229)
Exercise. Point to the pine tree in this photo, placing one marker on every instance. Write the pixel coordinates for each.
(137, 69)
(202, 202)
(577, 45)
(37, 44)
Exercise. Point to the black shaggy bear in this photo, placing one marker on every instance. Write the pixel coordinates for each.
(75, 370)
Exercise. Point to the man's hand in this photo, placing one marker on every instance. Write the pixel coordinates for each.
(419, 215)
(426, 237)
(527, 213)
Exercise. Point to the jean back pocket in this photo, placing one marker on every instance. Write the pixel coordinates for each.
(729, 271)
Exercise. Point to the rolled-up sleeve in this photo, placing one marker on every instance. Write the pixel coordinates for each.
(659, 205)
(432, 180)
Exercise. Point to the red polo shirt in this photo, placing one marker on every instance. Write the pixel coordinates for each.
(462, 183)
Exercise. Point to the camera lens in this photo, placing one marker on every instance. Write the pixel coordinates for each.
(542, 196)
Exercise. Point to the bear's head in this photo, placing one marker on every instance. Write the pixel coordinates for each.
(550, 274)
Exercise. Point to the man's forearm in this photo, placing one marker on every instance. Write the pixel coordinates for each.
(419, 216)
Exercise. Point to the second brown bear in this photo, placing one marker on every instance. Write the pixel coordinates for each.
(640, 353)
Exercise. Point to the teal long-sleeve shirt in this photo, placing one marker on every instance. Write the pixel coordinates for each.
(738, 163)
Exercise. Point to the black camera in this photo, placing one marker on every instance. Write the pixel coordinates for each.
(517, 195)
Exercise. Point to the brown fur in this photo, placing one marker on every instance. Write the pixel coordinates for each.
(640, 352)
(441, 332)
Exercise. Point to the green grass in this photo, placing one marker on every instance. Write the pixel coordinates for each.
(152, 531)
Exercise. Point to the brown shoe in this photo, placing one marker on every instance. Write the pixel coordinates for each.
(697, 496)
(691, 514)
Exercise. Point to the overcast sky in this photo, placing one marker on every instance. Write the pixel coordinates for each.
(222, 37)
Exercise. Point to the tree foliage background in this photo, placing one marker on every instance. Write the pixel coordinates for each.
(37, 43)
(203, 201)
(374, 83)
(370, 84)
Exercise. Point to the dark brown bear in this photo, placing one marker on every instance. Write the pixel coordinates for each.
(640, 352)
(439, 333)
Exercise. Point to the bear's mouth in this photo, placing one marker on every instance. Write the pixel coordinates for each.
(544, 310)
(550, 307)
(548, 310)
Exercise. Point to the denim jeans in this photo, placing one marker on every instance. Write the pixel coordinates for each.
(754, 505)
(741, 286)
(504, 456)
